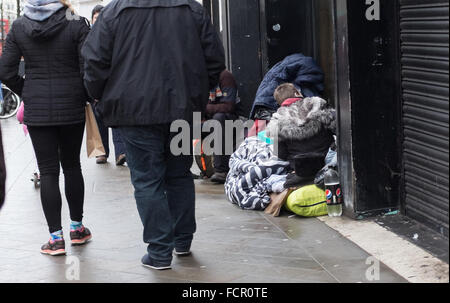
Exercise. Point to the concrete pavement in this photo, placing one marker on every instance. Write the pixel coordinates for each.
(231, 245)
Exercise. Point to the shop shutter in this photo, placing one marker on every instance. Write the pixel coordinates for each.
(425, 83)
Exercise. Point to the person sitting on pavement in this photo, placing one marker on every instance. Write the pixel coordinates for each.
(303, 126)
(221, 107)
(287, 94)
(298, 69)
(119, 146)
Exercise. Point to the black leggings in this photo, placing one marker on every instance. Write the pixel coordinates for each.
(55, 145)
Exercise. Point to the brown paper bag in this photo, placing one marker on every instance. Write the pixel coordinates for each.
(277, 202)
(94, 143)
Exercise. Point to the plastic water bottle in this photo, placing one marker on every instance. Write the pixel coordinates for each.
(333, 193)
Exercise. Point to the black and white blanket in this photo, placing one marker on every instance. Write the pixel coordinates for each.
(250, 167)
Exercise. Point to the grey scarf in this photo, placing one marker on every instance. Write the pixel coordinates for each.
(40, 10)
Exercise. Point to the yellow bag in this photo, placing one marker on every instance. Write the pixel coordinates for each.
(94, 143)
(308, 201)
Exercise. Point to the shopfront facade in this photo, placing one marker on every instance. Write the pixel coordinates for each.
(386, 67)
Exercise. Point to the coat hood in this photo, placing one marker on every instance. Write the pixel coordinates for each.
(302, 120)
(40, 10)
(44, 30)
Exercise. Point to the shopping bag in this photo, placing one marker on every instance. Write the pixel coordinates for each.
(94, 143)
(20, 116)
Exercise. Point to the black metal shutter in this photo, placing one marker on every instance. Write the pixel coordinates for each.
(425, 70)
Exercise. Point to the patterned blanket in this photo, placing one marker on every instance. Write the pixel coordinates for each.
(250, 168)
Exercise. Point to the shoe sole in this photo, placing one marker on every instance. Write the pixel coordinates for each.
(103, 161)
(217, 181)
(121, 162)
(81, 241)
(157, 268)
(58, 252)
(182, 254)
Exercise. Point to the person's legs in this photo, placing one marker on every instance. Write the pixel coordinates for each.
(104, 132)
(71, 138)
(46, 147)
(45, 144)
(221, 162)
(180, 191)
(119, 147)
(146, 157)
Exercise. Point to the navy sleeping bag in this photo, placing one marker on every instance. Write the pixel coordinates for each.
(298, 69)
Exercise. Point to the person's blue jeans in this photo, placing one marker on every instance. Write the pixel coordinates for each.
(164, 190)
(119, 146)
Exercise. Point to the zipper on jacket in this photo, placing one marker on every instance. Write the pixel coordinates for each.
(50, 87)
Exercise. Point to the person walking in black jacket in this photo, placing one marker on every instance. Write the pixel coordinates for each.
(151, 62)
(119, 147)
(50, 39)
(2, 172)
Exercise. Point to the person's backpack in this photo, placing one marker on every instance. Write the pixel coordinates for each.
(308, 201)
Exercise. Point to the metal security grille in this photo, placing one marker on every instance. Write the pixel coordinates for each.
(424, 26)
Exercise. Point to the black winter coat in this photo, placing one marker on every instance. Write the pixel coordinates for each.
(319, 144)
(152, 61)
(52, 90)
(2, 172)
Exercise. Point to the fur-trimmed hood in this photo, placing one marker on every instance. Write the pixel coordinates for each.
(302, 120)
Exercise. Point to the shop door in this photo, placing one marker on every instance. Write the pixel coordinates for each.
(425, 57)
(375, 107)
(288, 28)
(257, 34)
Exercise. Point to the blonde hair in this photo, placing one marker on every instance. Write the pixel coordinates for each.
(67, 4)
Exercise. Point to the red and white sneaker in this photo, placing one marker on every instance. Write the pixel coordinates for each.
(80, 236)
(54, 248)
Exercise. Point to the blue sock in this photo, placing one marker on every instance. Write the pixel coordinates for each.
(75, 225)
(57, 235)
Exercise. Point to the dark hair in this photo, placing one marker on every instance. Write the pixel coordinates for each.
(285, 91)
(97, 9)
